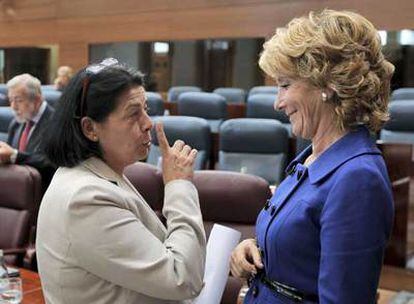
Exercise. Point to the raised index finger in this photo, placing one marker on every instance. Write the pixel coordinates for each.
(162, 139)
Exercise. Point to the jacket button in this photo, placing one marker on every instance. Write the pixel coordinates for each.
(255, 291)
(266, 206)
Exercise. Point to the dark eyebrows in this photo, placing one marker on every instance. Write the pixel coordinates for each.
(133, 106)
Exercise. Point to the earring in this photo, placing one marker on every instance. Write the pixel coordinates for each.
(324, 96)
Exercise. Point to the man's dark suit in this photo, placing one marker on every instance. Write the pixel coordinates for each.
(33, 156)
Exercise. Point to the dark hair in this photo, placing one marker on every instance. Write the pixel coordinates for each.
(65, 144)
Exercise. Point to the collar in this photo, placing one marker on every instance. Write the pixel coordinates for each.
(353, 144)
(39, 113)
(100, 168)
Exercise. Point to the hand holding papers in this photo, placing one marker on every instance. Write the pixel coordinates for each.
(220, 244)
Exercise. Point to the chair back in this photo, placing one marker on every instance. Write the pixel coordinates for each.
(6, 116)
(155, 104)
(271, 90)
(209, 106)
(176, 91)
(403, 94)
(193, 131)
(232, 95)
(262, 106)
(20, 196)
(254, 146)
(400, 127)
(231, 199)
(51, 96)
(4, 102)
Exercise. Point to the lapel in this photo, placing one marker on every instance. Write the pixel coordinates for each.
(38, 130)
(101, 169)
(353, 144)
(17, 134)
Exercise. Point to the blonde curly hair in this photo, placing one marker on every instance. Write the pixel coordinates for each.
(339, 50)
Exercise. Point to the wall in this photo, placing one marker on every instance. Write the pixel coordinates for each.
(126, 52)
(75, 24)
(185, 63)
(245, 68)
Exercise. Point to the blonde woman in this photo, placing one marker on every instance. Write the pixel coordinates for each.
(321, 238)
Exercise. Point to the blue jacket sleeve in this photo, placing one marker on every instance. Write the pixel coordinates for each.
(356, 222)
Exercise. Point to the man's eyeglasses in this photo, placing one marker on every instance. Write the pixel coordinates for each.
(91, 70)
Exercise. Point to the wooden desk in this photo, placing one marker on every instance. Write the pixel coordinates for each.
(32, 289)
(385, 296)
(394, 278)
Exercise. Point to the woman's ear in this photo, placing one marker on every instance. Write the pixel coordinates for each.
(329, 93)
(89, 129)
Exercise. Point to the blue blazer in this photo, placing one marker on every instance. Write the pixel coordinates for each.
(327, 225)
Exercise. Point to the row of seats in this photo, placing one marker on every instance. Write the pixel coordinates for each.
(213, 107)
(255, 146)
(231, 95)
(237, 95)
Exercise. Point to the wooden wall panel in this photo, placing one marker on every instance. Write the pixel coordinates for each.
(74, 54)
(40, 22)
(23, 10)
(81, 8)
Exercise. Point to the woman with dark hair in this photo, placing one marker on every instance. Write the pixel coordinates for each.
(321, 238)
(97, 239)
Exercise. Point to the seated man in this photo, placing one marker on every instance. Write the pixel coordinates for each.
(31, 117)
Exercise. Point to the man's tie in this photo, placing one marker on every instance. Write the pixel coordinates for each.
(24, 138)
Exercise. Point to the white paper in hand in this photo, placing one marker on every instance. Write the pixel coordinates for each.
(220, 244)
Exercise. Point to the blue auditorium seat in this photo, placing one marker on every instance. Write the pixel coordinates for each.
(51, 96)
(194, 131)
(175, 92)
(262, 106)
(400, 127)
(232, 95)
(48, 87)
(3, 95)
(271, 90)
(254, 146)
(155, 104)
(6, 116)
(209, 106)
(403, 94)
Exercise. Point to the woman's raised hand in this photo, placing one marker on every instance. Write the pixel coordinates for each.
(178, 160)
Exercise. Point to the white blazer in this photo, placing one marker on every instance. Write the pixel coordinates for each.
(98, 241)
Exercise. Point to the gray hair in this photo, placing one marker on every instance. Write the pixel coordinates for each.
(32, 84)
